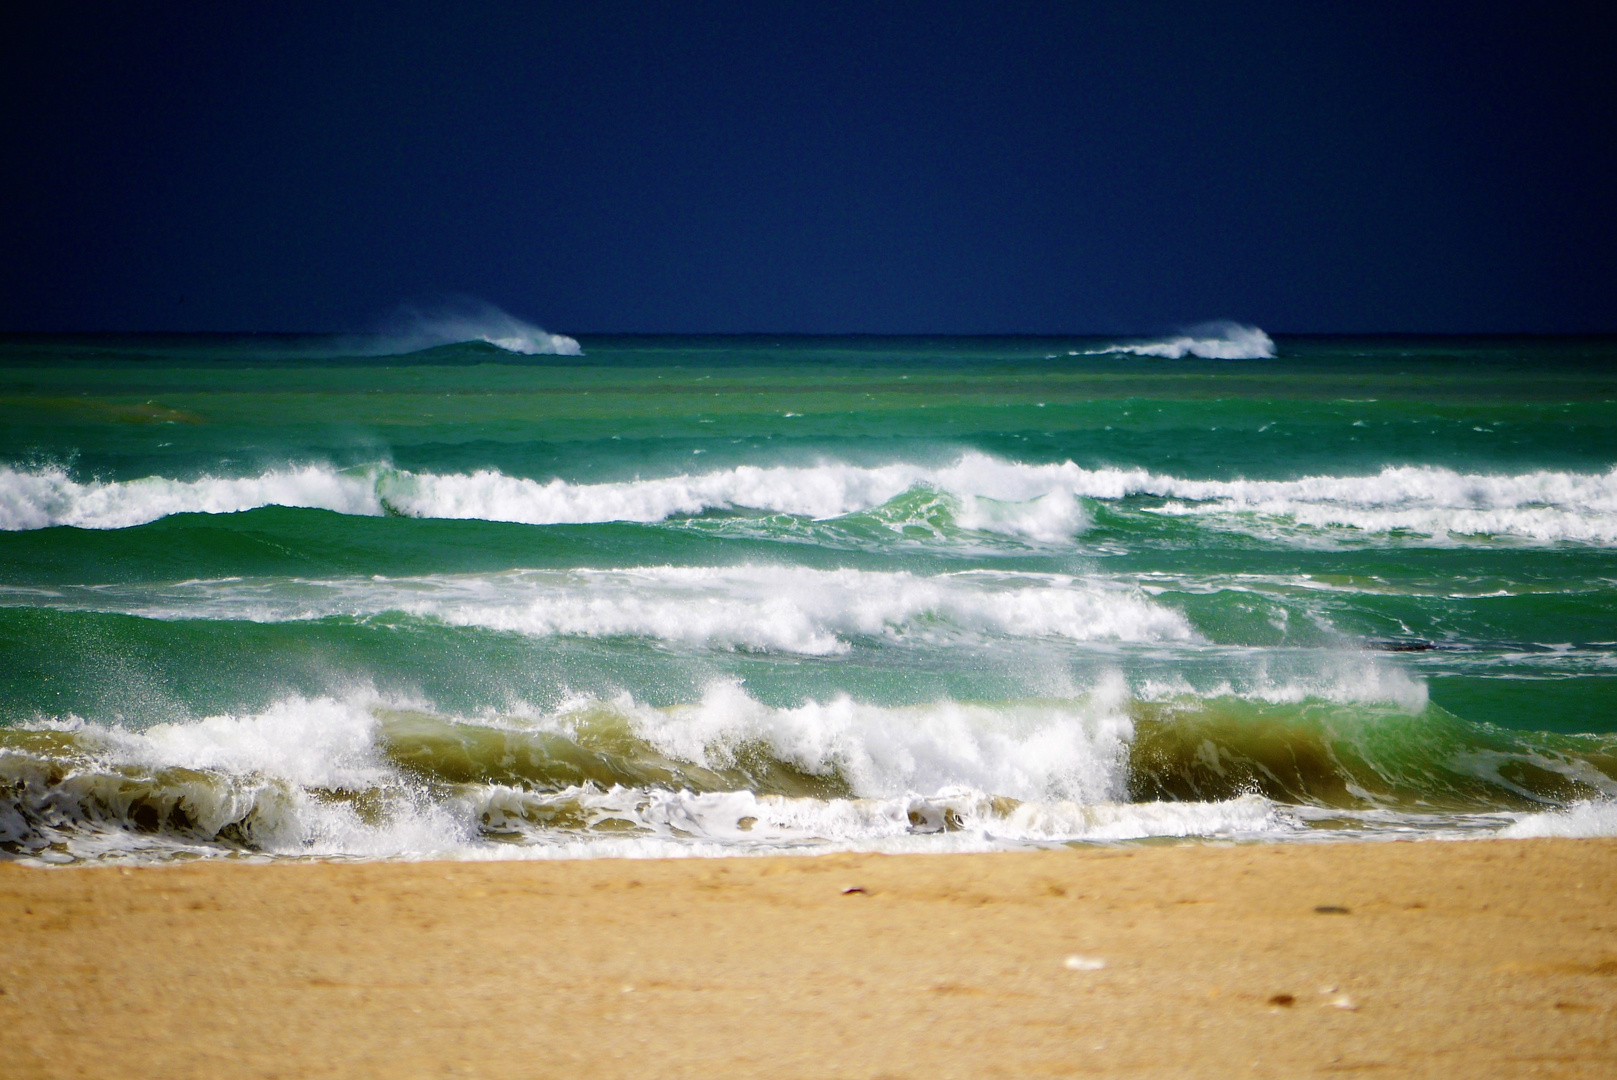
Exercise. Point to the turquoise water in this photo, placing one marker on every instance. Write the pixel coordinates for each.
(312, 595)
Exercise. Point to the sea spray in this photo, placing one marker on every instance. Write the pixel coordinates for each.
(1210, 341)
(465, 319)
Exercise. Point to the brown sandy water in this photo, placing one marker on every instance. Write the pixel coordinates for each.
(1490, 958)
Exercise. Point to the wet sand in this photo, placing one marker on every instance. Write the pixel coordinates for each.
(1490, 958)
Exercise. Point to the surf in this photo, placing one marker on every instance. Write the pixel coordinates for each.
(364, 775)
(1036, 502)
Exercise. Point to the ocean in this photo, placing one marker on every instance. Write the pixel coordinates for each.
(483, 592)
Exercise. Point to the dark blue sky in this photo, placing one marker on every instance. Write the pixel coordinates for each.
(868, 167)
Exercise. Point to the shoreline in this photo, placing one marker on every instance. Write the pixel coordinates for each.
(1405, 958)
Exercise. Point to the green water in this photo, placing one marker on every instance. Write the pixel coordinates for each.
(298, 595)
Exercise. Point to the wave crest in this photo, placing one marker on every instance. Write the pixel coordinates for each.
(1039, 503)
(1023, 505)
(1211, 341)
(466, 320)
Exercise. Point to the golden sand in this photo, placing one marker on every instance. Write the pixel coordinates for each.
(1477, 959)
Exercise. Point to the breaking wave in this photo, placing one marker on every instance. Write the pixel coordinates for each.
(1041, 503)
(412, 330)
(1025, 503)
(1210, 341)
(726, 775)
(1426, 501)
(1588, 817)
(730, 774)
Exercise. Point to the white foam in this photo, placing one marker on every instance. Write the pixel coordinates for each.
(1021, 506)
(783, 608)
(955, 820)
(1348, 680)
(1542, 505)
(309, 742)
(1348, 677)
(1582, 819)
(1024, 500)
(1210, 341)
(1071, 749)
(944, 776)
(1039, 502)
(1246, 815)
(824, 491)
(40, 498)
(273, 774)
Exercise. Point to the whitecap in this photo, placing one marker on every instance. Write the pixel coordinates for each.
(1211, 341)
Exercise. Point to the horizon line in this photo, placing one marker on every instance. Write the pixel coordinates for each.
(8, 333)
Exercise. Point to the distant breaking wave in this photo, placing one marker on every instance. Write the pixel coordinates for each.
(465, 320)
(1036, 502)
(1211, 341)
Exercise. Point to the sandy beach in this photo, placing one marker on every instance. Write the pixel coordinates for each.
(1492, 958)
